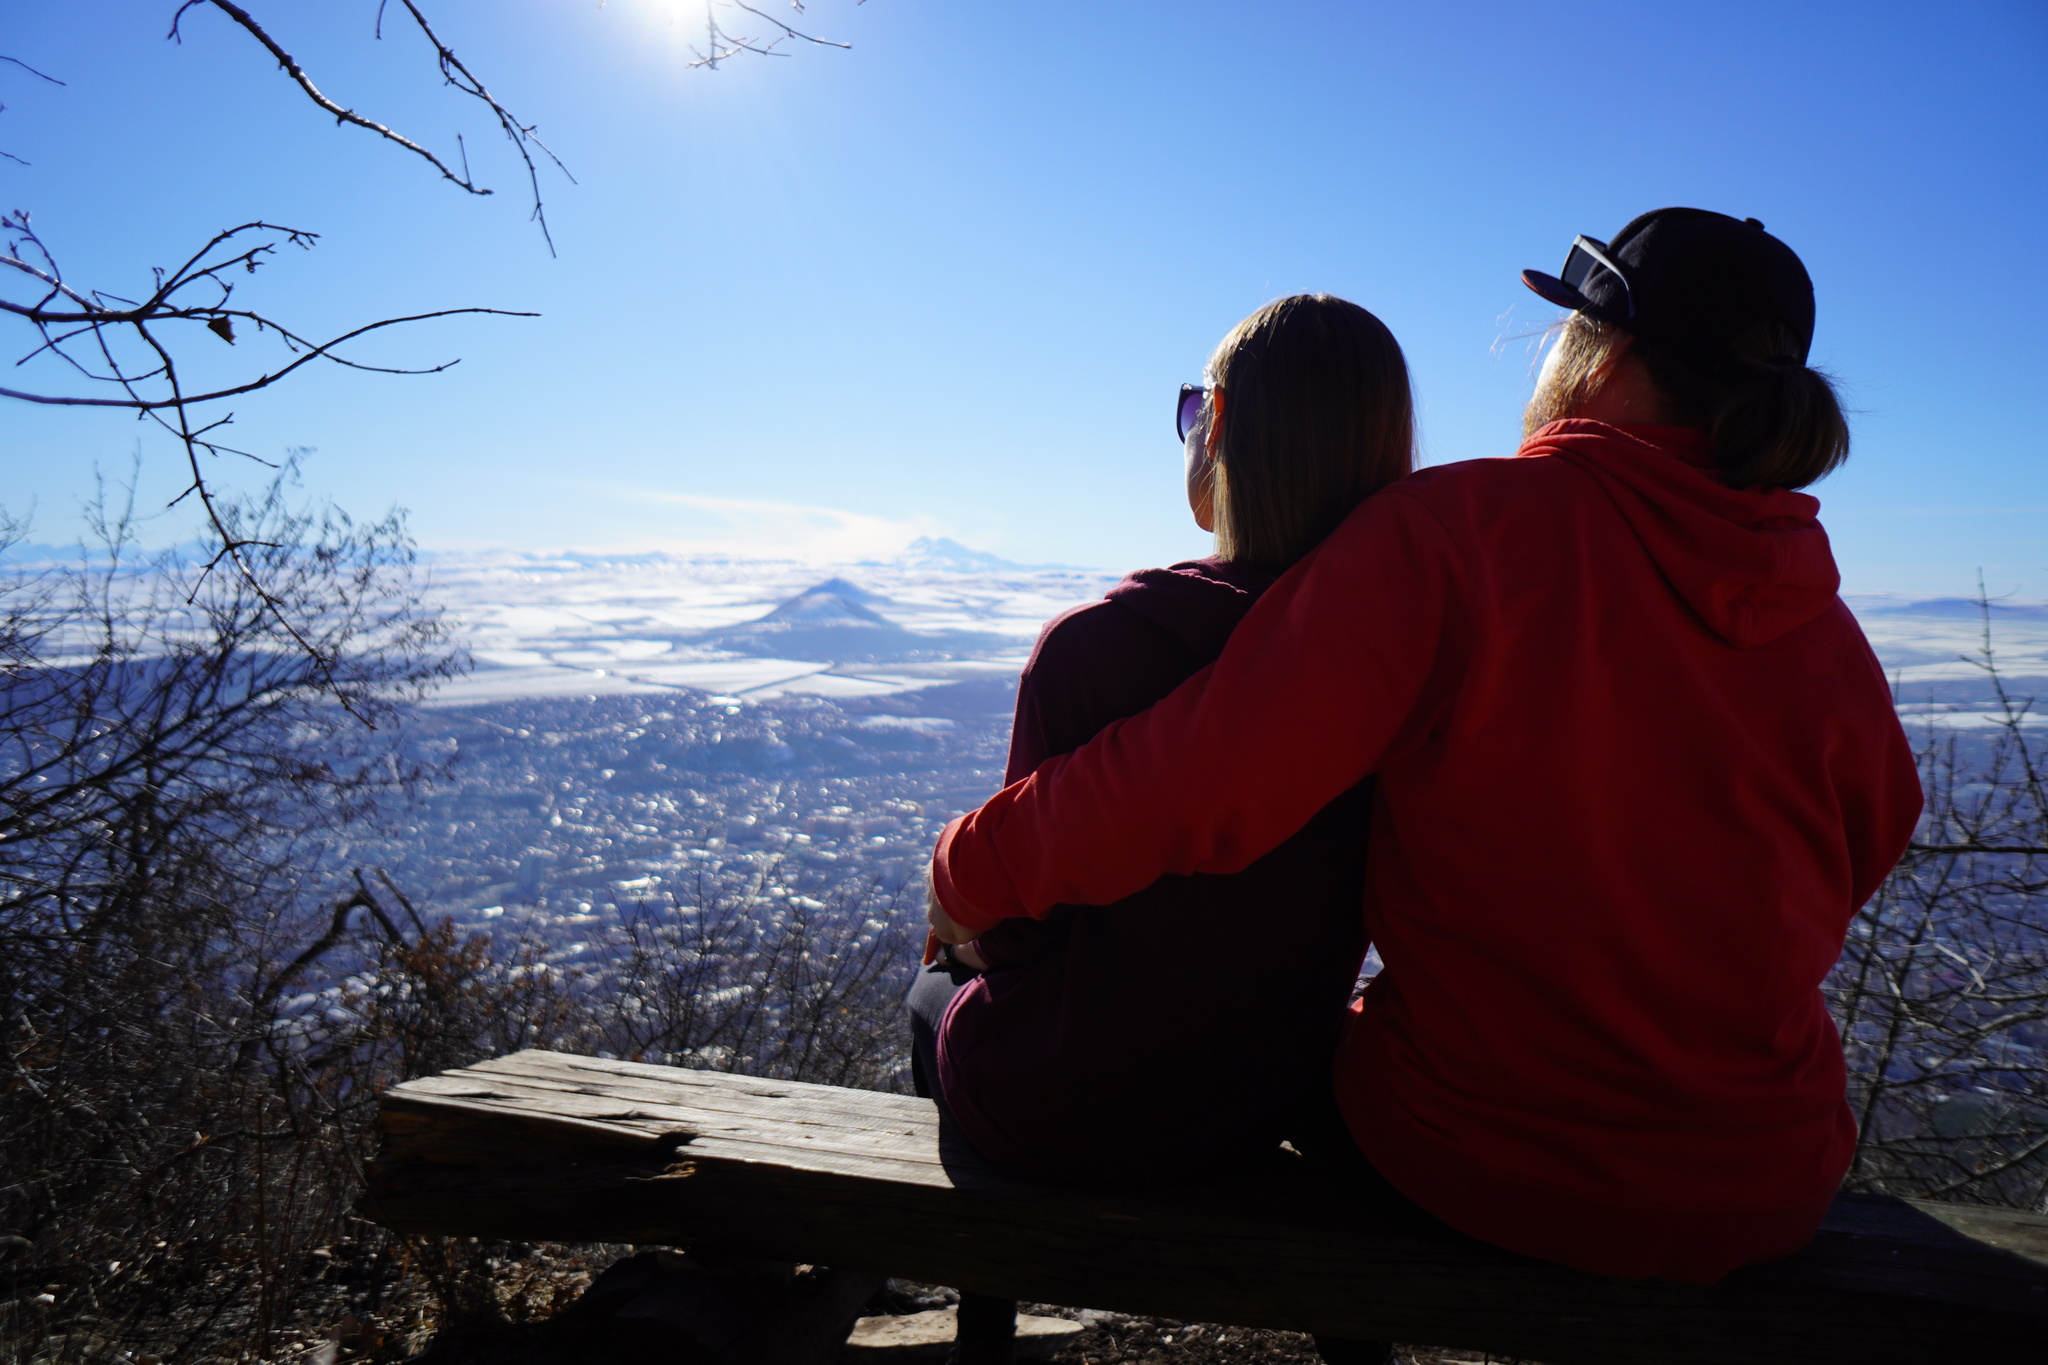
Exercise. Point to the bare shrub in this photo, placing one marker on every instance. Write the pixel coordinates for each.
(170, 758)
(215, 1233)
(1942, 991)
(200, 1011)
(406, 999)
(759, 979)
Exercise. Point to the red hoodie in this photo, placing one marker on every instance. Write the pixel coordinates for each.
(1638, 768)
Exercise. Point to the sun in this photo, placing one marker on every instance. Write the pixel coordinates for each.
(711, 32)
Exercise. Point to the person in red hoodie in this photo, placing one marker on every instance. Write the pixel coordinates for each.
(1637, 769)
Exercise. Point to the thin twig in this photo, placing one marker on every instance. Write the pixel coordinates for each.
(519, 134)
(31, 70)
(453, 72)
(22, 161)
(722, 45)
(298, 74)
(790, 32)
(78, 326)
(264, 381)
(2027, 850)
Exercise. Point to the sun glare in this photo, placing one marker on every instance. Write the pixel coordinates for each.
(712, 32)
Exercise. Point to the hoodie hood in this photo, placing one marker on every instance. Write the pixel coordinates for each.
(1199, 601)
(1751, 563)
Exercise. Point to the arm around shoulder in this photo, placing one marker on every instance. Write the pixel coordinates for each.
(1338, 665)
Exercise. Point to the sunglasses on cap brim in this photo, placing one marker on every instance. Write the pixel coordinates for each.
(1567, 288)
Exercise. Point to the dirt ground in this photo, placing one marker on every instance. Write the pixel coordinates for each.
(404, 1323)
(1120, 1339)
(1114, 1339)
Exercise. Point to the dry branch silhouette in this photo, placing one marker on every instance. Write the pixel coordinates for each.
(1941, 993)
(454, 72)
(133, 346)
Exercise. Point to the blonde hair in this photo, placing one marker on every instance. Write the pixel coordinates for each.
(1775, 422)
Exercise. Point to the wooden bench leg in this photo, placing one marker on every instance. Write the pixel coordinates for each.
(708, 1309)
(986, 1331)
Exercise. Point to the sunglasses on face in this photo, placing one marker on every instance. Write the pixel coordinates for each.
(1187, 409)
(1588, 255)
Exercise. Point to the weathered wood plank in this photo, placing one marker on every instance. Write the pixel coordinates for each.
(800, 1114)
(1886, 1280)
(810, 1104)
(799, 1129)
(668, 1080)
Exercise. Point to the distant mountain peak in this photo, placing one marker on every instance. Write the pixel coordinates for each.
(852, 592)
(833, 622)
(835, 602)
(943, 552)
(1967, 607)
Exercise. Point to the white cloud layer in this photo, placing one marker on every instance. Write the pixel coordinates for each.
(621, 519)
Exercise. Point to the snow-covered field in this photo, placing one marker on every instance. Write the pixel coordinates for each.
(592, 626)
(1934, 650)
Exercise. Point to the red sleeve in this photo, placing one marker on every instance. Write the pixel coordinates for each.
(1342, 664)
(1880, 792)
(1092, 665)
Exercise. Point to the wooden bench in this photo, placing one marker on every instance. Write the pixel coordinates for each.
(544, 1146)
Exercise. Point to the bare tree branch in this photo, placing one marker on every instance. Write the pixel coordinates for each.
(298, 74)
(521, 135)
(789, 32)
(16, 61)
(2028, 850)
(721, 45)
(80, 328)
(1941, 995)
(322, 351)
(453, 72)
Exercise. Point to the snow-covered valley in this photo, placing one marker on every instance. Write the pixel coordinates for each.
(636, 726)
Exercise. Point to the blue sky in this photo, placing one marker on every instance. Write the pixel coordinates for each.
(947, 282)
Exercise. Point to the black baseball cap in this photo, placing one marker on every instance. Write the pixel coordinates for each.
(1689, 280)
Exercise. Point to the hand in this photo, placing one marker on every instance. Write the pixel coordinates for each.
(967, 955)
(944, 926)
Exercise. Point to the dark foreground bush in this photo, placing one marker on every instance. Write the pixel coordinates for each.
(174, 745)
(1942, 991)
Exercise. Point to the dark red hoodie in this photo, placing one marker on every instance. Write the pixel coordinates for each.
(1162, 1035)
(1637, 770)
